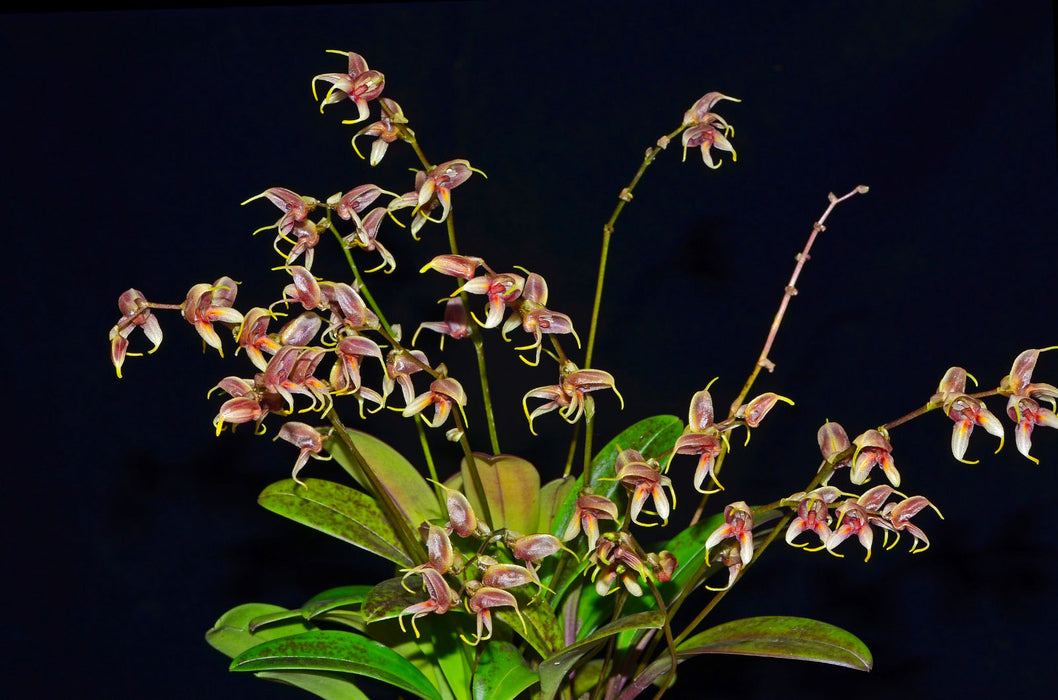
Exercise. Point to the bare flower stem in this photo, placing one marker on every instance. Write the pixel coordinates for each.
(791, 289)
(607, 232)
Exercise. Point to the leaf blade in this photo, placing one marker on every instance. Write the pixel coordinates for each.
(338, 511)
(342, 652)
(402, 481)
(777, 636)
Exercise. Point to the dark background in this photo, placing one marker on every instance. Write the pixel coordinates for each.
(131, 137)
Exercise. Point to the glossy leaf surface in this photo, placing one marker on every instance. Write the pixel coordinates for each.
(337, 510)
(231, 636)
(388, 599)
(501, 673)
(410, 492)
(783, 637)
(341, 652)
(778, 637)
(512, 489)
(542, 630)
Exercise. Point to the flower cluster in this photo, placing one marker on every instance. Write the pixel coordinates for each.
(485, 582)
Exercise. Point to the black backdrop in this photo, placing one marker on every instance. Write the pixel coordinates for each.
(131, 137)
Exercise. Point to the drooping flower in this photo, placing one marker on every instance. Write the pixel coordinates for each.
(1027, 414)
(707, 130)
(644, 480)
(386, 130)
(873, 449)
(500, 290)
(852, 519)
(456, 323)
(753, 413)
(439, 182)
(135, 313)
(308, 439)
(738, 524)
(366, 237)
(616, 557)
(207, 304)
(482, 600)
(590, 509)
(254, 338)
(248, 404)
(359, 84)
(443, 394)
(703, 438)
(536, 319)
(896, 517)
(464, 266)
(441, 599)
(813, 515)
(348, 310)
(570, 396)
(349, 205)
(1019, 381)
(350, 352)
(294, 206)
(965, 410)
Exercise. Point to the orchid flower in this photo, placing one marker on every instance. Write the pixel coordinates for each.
(207, 304)
(135, 313)
(359, 84)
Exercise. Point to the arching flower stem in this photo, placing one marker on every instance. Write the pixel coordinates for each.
(791, 289)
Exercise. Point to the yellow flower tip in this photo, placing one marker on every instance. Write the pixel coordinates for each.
(813, 549)
(621, 398)
(529, 362)
(1000, 445)
(1033, 459)
(842, 556)
(971, 461)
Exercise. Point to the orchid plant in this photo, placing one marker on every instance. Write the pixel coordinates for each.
(503, 586)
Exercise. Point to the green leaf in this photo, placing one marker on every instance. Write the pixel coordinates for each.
(779, 637)
(554, 669)
(388, 600)
(412, 495)
(502, 673)
(339, 511)
(782, 637)
(231, 636)
(342, 652)
(512, 490)
(552, 495)
(441, 644)
(541, 630)
(330, 686)
(325, 602)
